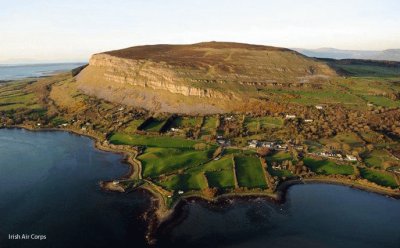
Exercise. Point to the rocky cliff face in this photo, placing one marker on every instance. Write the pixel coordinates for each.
(205, 77)
(146, 74)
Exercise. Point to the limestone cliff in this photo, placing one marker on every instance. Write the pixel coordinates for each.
(199, 78)
(148, 74)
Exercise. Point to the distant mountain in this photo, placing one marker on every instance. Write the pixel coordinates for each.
(390, 54)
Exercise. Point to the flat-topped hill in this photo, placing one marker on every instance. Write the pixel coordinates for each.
(221, 59)
(186, 78)
(184, 54)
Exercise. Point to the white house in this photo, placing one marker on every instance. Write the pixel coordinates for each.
(267, 144)
(221, 141)
(308, 120)
(299, 148)
(351, 158)
(290, 116)
(319, 107)
(277, 167)
(281, 147)
(253, 144)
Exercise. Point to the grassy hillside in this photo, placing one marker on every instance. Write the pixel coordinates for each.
(365, 68)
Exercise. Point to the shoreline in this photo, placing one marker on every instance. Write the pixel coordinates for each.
(354, 184)
(277, 198)
(160, 216)
(96, 144)
(43, 74)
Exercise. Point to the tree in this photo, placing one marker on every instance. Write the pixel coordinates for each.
(294, 154)
(200, 146)
(305, 148)
(289, 165)
(263, 151)
(209, 192)
(346, 147)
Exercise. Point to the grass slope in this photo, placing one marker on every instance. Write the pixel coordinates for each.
(157, 161)
(327, 167)
(151, 141)
(381, 178)
(249, 172)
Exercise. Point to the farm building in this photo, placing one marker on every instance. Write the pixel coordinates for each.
(351, 158)
(253, 144)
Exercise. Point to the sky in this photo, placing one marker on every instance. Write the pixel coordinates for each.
(59, 30)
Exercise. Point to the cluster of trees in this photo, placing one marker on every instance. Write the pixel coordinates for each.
(336, 119)
(386, 121)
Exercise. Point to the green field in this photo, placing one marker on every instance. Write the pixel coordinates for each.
(12, 96)
(365, 68)
(239, 151)
(209, 127)
(348, 138)
(382, 101)
(185, 182)
(219, 173)
(327, 167)
(157, 161)
(255, 124)
(328, 95)
(279, 173)
(132, 126)
(370, 70)
(58, 121)
(313, 146)
(249, 172)
(279, 157)
(153, 125)
(381, 178)
(186, 122)
(373, 91)
(215, 174)
(220, 179)
(151, 141)
(377, 159)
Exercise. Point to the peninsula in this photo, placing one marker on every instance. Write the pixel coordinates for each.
(219, 119)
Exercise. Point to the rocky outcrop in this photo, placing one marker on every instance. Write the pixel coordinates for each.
(147, 74)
